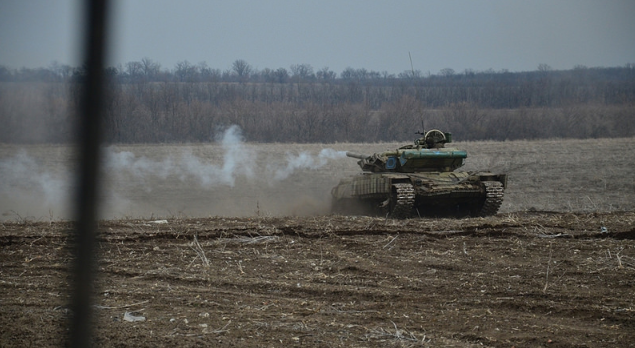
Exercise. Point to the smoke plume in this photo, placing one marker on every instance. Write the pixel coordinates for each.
(156, 175)
(236, 161)
(305, 161)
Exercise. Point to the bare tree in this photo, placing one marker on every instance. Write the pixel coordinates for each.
(185, 71)
(150, 68)
(302, 72)
(282, 76)
(544, 68)
(348, 73)
(208, 74)
(409, 74)
(447, 72)
(242, 69)
(326, 74)
(134, 70)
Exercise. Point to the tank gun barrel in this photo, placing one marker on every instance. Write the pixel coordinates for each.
(356, 155)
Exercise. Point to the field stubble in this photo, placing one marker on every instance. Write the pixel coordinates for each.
(519, 279)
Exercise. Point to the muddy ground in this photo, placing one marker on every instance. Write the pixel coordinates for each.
(526, 279)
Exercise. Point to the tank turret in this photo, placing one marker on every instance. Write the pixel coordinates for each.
(427, 154)
(419, 179)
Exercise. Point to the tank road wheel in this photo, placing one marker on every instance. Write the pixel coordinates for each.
(403, 199)
(493, 198)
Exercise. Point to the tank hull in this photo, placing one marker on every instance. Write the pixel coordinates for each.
(405, 195)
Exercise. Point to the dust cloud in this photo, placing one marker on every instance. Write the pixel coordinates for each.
(28, 187)
(227, 178)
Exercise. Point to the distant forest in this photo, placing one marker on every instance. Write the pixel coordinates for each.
(192, 103)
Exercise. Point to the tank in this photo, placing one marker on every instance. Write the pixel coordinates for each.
(419, 180)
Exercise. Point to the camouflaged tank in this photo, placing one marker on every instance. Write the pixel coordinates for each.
(419, 180)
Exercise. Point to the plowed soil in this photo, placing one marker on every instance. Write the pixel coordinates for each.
(515, 280)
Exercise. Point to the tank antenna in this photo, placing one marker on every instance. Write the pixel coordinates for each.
(411, 66)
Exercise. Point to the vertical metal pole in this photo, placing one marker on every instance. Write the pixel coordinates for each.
(90, 115)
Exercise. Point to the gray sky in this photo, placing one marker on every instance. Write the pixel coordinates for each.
(371, 34)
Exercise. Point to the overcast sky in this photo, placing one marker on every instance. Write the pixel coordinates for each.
(375, 35)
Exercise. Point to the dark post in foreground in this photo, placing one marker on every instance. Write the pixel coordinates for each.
(86, 199)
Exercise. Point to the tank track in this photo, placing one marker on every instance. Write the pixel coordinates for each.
(404, 200)
(493, 198)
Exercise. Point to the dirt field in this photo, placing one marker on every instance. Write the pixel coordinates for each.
(556, 268)
(520, 279)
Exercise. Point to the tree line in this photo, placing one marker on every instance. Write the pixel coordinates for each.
(191, 103)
